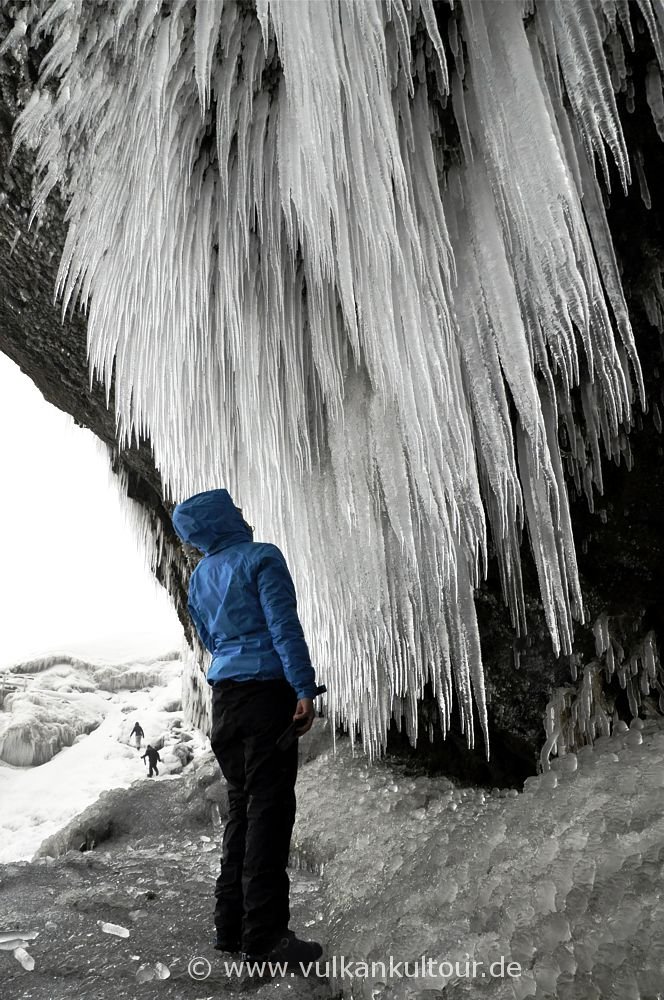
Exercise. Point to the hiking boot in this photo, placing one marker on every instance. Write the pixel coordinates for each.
(289, 950)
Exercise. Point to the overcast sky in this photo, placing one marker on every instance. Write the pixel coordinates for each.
(73, 579)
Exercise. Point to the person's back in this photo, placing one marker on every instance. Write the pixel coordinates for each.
(242, 602)
(241, 598)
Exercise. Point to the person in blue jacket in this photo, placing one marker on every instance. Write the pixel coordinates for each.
(242, 602)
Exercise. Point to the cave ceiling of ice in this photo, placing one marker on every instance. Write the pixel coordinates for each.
(352, 261)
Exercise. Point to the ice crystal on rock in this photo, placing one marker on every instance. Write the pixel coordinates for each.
(577, 716)
(299, 297)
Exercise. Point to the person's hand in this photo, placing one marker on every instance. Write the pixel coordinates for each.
(304, 715)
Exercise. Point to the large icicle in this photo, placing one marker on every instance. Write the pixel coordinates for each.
(301, 299)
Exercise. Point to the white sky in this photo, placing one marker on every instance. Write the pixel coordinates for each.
(73, 579)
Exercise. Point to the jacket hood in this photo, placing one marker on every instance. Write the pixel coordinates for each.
(210, 521)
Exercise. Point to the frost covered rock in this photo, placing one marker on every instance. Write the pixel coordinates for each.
(183, 753)
(206, 770)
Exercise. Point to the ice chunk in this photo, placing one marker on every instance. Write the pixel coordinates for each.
(26, 960)
(116, 929)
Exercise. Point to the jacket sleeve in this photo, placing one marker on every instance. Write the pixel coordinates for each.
(277, 597)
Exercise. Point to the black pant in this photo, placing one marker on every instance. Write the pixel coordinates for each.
(153, 767)
(252, 887)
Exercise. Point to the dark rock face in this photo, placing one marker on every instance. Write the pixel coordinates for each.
(619, 546)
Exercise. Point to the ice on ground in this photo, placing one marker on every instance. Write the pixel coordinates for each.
(566, 878)
(47, 718)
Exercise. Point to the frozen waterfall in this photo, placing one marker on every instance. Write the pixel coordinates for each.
(351, 261)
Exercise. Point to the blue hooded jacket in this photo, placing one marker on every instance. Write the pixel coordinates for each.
(241, 597)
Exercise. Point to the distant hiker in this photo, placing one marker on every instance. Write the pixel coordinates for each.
(138, 732)
(242, 602)
(152, 756)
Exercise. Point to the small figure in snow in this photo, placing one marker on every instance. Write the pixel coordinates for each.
(138, 733)
(152, 756)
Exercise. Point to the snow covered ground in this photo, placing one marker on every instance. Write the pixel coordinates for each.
(56, 700)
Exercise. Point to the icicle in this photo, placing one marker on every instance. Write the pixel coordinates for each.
(655, 97)
(653, 15)
(208, 20)
(578, 39)
(17, 32)
(601, 631)
(427, 9)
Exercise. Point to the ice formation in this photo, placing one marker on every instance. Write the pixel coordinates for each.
(36, 724)
(566, 879)
(577, 714)
(62, 672)
(371, 340)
